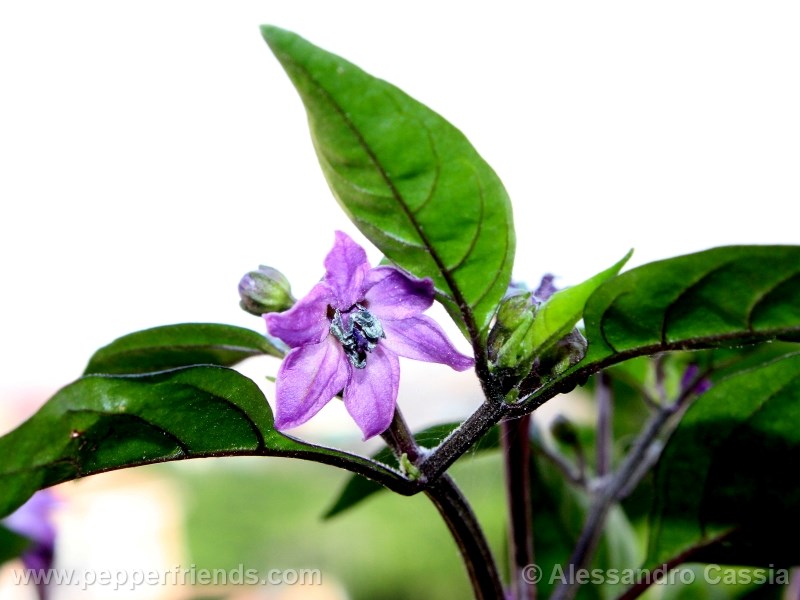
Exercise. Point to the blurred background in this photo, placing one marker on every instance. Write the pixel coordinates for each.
(153, 152)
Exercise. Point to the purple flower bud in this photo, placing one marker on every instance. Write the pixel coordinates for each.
(546, 288)
(264, 291)
(702, 386)
(689, 375)
(689, 381)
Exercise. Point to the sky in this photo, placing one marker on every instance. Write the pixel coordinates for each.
(153, 152)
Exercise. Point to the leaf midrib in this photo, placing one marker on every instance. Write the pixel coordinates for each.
(583, 370)
(464, 307)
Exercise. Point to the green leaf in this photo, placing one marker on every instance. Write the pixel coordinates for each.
(721, 363)
(408, 179)
(171, 346)
(724, 486)
(556, 317)
(12, 545)
(104, 422)
(726, 296)
(358, 489)
(633, 378)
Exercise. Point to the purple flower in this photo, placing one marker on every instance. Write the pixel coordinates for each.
(34, 521)
(347, 333)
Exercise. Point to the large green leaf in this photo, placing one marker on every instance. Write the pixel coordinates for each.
(724, 296)
(181, 345)
(103, 422)
(725, 484)
(408, 179)
(721, 297)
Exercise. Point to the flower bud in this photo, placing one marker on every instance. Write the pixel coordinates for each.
(515, 310)
(507, 337)
(691, 382)
(546, 288)
(567, 352)
(265, 291)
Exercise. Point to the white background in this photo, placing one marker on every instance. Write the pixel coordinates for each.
(153, 152)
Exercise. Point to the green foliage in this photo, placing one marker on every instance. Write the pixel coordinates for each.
(413, 184)
(12, 545)
(724, 296)
(103, 422)
(725, 483)
(172, 346)
(721, 297)
(408, 179)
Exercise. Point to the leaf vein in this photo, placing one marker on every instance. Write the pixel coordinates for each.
(760, 299)
(464, 307)
(674, 302)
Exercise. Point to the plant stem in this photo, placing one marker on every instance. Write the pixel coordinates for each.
(457, 514)
(574, 474)
(459, 441)
(515, 436)
(609, 491)
(468, 535)
(400, 439)
(604, 425)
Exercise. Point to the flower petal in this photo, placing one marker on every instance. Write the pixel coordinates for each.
(306, 322)
(34, 519)
(391, 294)
(421, 338)
(307, 379)
(546, 288)
(371, 393)
(346, 267)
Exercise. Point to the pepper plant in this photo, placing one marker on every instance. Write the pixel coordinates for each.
(690, 361)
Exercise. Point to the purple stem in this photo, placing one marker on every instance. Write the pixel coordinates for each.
(604, 425)
(516, 444)
(457, 514)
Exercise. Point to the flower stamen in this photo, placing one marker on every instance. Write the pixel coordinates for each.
(358, 331)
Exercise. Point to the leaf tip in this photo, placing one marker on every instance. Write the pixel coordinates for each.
(270, 31)
(626, 258)
(614, 270)
(275, 37)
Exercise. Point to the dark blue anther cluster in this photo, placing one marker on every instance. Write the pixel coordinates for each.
(358, 331)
